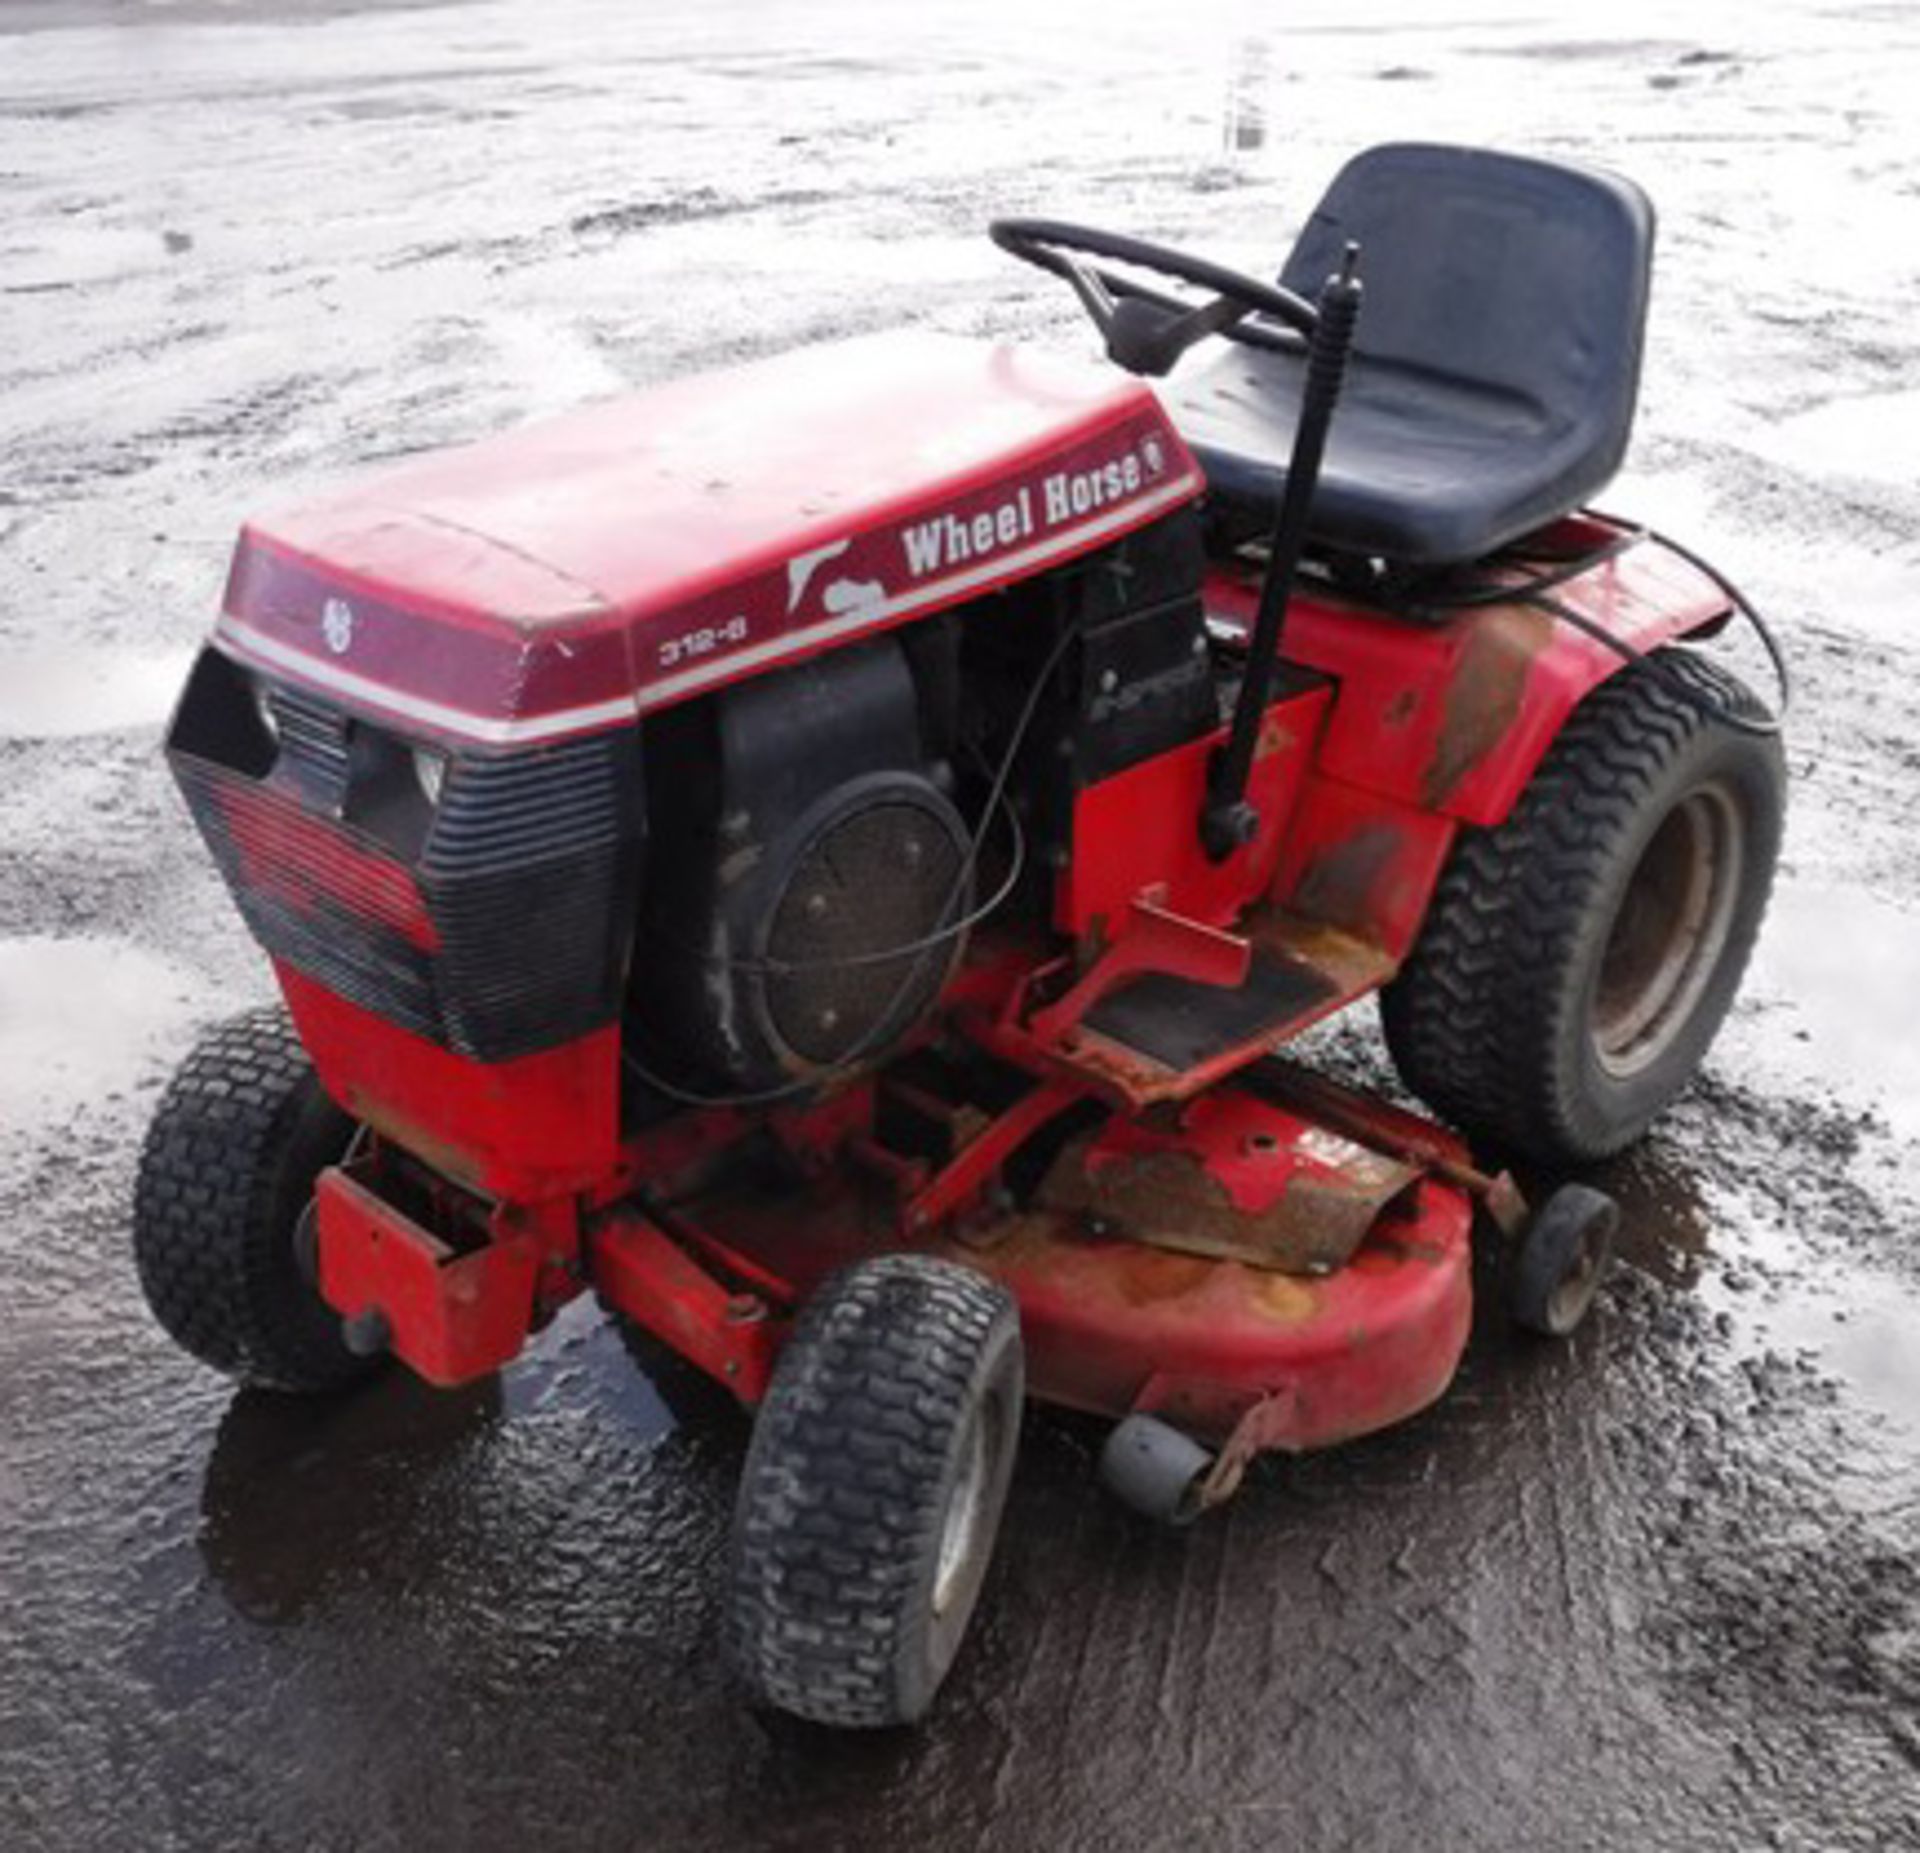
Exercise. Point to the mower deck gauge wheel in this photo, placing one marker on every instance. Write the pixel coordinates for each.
(1151, 1466)
(1562, 1260)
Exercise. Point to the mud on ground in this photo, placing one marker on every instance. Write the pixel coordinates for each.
(1658, 1588)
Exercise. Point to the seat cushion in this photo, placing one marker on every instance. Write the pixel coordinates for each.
(1419, 468)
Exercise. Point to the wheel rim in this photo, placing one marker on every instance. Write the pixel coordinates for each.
(961, 1527)
(1576, 1286)
(1667, 935)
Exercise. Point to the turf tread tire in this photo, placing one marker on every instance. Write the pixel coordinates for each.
(1487, 1020)
(227, 1168)
(838, 1525)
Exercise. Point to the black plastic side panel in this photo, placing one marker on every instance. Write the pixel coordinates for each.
(1137, 682)
(531, 873)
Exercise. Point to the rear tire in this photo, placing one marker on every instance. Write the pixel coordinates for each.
(226, 1177)
(1578, 958)
(873, 1491)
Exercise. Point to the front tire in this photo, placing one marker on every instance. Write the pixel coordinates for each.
(873, 1491)
(1578, 958)
(225, 1184)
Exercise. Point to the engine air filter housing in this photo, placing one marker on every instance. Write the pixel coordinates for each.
(883, 868)
(809, 863)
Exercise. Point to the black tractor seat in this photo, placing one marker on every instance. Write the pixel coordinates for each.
(1494, 370)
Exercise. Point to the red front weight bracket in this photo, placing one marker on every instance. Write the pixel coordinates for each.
(449, 1315)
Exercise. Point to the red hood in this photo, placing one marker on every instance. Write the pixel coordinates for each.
(578, 572)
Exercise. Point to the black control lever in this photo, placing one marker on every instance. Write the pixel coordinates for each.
(1229, 822)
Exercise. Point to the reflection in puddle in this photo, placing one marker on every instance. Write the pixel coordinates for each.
(399, 1484)
(1856, 1323)
(299, 1488)
(1776, 1295)
(1848, 967)
(1845, 967)
(59, 695)
(78, 1017)
(1666, 1228)
(580, 1358)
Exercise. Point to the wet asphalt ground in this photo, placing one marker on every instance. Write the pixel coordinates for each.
(1657, 1588)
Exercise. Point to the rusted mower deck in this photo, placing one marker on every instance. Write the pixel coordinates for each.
(1115, 1325)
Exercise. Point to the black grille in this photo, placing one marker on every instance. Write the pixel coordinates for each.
(496, 923)
(531, 873)
(313, 741)
(328, 899)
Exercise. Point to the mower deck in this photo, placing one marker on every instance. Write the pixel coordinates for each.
(1114, 1325)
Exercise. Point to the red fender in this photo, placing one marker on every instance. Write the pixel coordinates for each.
(1452, 718)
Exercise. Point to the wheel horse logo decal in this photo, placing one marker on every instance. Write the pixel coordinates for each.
(838, 597)
(336, 625)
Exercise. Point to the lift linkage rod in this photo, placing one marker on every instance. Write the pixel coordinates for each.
(1228, 822)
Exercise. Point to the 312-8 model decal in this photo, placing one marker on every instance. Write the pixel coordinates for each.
(691, 645)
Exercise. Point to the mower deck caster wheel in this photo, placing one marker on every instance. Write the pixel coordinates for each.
(1151, 1466)
(873, 1490)
(1562, 1259)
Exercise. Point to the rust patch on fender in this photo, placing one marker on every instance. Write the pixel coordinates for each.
(1483, 698)
(1339, 884)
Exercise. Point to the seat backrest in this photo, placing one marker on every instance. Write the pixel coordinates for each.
(1496, 271)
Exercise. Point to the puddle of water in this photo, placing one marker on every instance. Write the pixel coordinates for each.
(555, 365)
(79, 1018)
(1876, 598)
(1847, 967)
(1855, 1322)
(1836, 971)
(57, 696)
(1858, 1324)
(579, 1359)
(65, 257)
(1871, 1339)
(1681, 503)
(1875, 436)
(295, 1485)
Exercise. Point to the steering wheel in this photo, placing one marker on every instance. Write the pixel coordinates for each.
(1146, 330)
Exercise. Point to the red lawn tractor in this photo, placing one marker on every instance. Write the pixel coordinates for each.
(830, 856)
